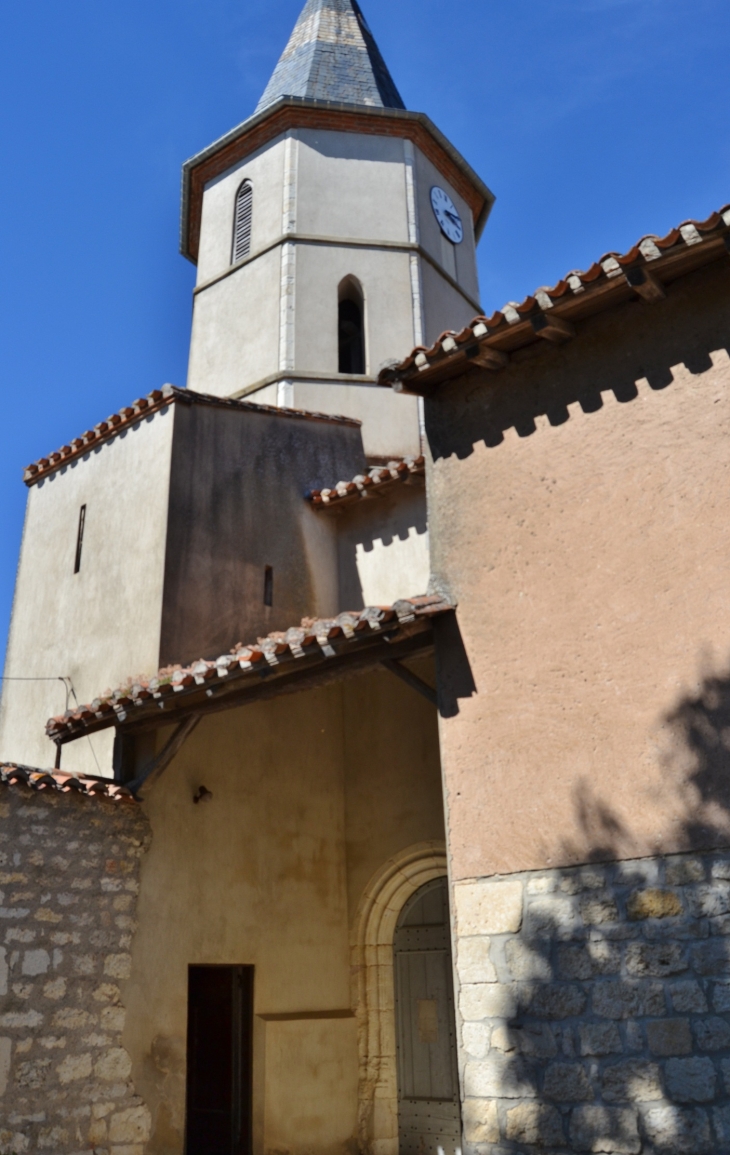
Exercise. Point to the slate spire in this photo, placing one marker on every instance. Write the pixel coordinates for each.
(332, 55)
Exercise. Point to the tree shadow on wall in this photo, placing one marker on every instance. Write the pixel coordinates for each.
(608, 1028)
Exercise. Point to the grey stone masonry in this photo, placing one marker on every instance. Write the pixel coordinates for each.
(594, 1009)
(69, 867)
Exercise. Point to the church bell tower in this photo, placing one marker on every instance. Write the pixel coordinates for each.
(332, 231)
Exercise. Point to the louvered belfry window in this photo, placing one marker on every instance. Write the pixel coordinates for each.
(242, 222)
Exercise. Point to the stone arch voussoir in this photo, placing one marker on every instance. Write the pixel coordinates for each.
(373, 988)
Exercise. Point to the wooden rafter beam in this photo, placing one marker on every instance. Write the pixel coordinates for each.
(157, 767)
(648, 286)
(411, 680)
(551, 328)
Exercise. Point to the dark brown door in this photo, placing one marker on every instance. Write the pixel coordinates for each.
(220, 1036)
(429, 1117)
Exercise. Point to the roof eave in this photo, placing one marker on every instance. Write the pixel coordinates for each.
(247, 126)
(326, 650)
(145, 407)
(550, 316)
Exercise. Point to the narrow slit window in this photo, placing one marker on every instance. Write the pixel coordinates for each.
(351, 328)
(242, 222)
(80, 538)
(269, 586)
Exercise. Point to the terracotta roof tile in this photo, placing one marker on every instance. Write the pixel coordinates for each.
(13, 775)
(143, 407)
(364, 485)
(322, 638)
(642, 272)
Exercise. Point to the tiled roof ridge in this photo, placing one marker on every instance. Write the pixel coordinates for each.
(633, 269)
(294, 643)
(365, 483)
(152, 403)
(12, 774)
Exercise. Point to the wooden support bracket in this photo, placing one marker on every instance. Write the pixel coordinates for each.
(551, 328)
(151, 773)
(486, 357)
(411, 680)
(646, 284)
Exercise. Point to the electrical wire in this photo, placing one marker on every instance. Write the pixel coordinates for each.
(69, 687)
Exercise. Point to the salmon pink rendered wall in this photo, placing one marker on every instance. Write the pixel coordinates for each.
(572, 112)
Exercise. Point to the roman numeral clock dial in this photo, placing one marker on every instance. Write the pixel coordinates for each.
(447, 215)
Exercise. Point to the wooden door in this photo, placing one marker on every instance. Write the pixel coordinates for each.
(220, 1037)
(429, 1117)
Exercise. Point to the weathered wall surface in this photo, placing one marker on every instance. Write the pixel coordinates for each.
(69, 869)
(594, 1008)
(310, 799)
(578, 516)
(444, 307)
(393, 796)
(101, 625)
(390, 425)
(237, 505)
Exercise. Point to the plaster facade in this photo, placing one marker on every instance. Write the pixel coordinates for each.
(192, 496)
(237, 506)
(99, 625)
(383, 547)
(271, 872)
(577, 519)
(328, 205)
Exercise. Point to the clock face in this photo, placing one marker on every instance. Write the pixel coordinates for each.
(447, 215)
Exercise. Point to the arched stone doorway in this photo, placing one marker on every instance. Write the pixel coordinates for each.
(429, 1115)
(373, 988)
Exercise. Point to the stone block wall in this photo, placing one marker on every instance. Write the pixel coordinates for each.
(69, 868)
(594, 1008)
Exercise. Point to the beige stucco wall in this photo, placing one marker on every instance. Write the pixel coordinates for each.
(386, 287)
(312, 793)
(276, 313)
(444, 307)
(265, 170)
(393, 796)
(235, 332)
(351, 186)
(383, 547)
(390, 425)
(101, 625)
(588, 554)
(458, 260)
(239, 480)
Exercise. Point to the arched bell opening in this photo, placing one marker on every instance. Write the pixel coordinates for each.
(351, 327)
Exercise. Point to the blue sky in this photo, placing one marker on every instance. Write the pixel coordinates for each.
(593, 121)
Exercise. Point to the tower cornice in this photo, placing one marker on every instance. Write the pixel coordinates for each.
(296, 112)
